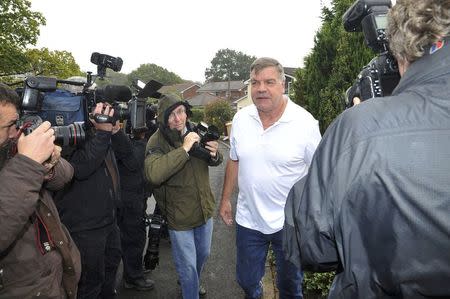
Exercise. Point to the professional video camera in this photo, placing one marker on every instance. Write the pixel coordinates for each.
(135, 110)
(69, 112)
(380, 76)
(206, 133)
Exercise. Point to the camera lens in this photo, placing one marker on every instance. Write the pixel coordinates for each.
(69, 135)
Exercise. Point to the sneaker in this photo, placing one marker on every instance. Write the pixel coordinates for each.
(202, 290)
(140, 284)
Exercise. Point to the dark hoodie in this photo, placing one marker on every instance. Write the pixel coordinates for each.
(181, 182)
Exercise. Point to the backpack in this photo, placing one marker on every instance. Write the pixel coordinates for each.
(62, 108)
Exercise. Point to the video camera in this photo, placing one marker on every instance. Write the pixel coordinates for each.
(380, 76)
(69, 112)
(206, 133)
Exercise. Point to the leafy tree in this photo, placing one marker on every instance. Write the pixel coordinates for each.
(59, 64)
(19, 27)
(217, 113)
(229, 65)
(115, 78)
(331, 67)
(151, 71)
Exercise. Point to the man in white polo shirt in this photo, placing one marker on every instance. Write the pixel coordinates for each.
(272, 144)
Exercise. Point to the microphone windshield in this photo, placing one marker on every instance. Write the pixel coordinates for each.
(114, 93)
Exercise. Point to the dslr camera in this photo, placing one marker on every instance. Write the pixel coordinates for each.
(157, 229)
(380, 76)
(206, 133)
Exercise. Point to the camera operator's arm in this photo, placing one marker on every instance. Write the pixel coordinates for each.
(123, 150)
(310, 208)
(160, 166)
(59, 171)
(87, 159)
(216, 156)
(21, 180)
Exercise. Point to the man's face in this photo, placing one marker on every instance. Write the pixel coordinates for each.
(177, 118)
(267, 89)
(8, 118)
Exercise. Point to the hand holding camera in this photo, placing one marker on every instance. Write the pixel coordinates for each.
(102, 113)
(38, 145)
(206, 146)
(212, 147)
(189, 140)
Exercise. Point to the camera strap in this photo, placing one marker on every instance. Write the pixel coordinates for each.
(112, 171)
(44, 240)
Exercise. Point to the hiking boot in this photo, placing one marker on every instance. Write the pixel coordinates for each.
(140, 284)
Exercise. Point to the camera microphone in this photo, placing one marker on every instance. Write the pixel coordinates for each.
(114, 93)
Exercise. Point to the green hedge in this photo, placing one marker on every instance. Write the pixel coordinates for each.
(315, 285)
(198, 115)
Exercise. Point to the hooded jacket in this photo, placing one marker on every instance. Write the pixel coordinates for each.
(31, 266)
(180, 181)
(375, 205)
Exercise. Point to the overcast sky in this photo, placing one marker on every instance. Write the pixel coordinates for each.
(181, 36)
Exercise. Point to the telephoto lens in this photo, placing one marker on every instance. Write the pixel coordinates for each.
(70, 135)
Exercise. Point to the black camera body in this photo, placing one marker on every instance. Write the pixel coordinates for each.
(206, 133)
(157, 229)
(380, 76)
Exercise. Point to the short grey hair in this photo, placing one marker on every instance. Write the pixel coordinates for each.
(264, 62)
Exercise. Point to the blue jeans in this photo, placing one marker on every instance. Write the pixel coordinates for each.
(252, 247)
(190, 250)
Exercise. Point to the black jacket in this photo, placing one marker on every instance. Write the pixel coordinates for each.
(131, 167)
(375, 204)
(91, 200)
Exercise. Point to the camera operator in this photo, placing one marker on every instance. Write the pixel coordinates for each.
(182, 190)
(37, 256)
(375, 205)
(88, 206)
(132, 212)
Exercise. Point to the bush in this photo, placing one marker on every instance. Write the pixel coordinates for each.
(198, 115)
(317, 283)
(218, 113)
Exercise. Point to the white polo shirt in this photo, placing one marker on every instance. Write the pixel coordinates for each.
(270, 162)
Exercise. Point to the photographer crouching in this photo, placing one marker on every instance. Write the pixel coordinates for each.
(177, 168)
(375, 204)
(37, 256)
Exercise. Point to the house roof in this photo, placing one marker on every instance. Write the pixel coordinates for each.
(203, 99)
(179, 88)
(221, 86)
(290, 71)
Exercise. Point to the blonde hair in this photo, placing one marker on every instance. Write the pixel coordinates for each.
(415, 25)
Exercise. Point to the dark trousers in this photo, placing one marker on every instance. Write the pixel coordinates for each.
(100, 258)
(132, 234)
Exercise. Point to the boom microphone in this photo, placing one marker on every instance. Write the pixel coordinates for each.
(113, 93)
